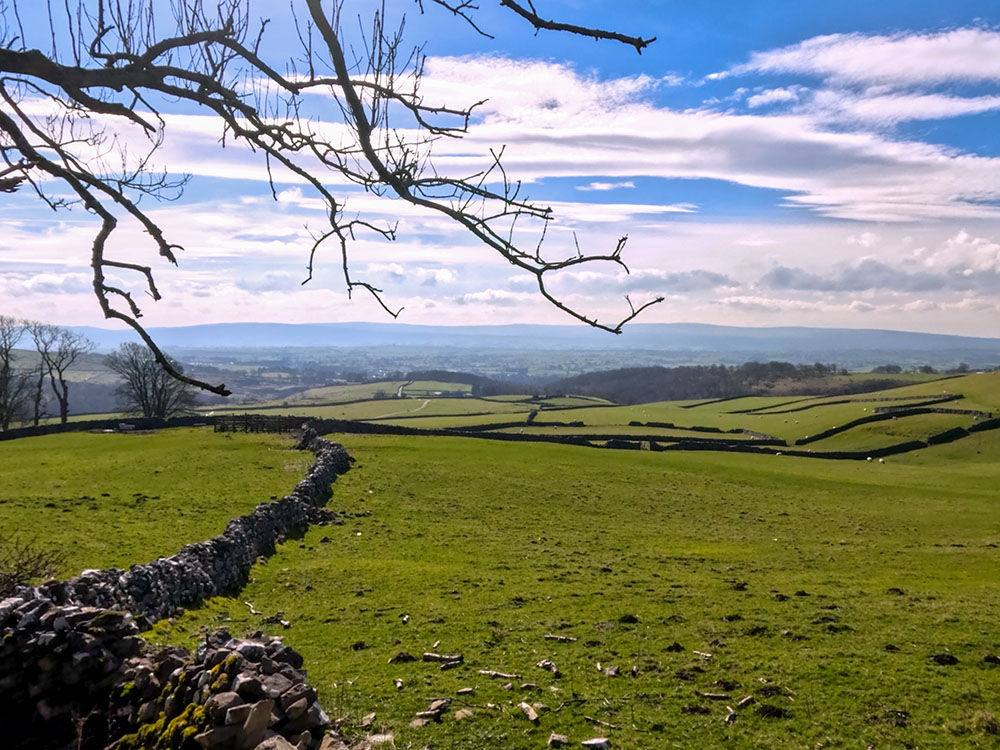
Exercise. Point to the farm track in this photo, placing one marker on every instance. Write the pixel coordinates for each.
(408, 412)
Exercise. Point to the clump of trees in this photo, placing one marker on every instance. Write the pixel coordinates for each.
(33, 388)
(22, 389)
(146, 387)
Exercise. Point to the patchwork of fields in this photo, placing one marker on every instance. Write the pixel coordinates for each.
(814, 424)
(833, 594)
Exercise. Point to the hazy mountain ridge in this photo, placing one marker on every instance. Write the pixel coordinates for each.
(640, 336)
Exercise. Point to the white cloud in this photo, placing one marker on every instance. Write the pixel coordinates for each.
(772, 96)
(963, 253)
(400, 273)
(557, 122)
(640, 280)
(891, 109)
(969, 54)
(603, 186)
(865, 239)
(497, 298)
(21, 285)
(766, 304)
(606, 128)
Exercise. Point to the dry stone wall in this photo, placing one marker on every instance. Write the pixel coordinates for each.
(74, 672)
(220, 565)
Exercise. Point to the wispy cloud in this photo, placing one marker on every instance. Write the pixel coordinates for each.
(891, 109)
(643, 280)
(497, 298)
(905, 58)
(603, 186)
(772, 96)
(610, 128)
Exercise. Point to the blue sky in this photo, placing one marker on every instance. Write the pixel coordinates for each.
(773, 163)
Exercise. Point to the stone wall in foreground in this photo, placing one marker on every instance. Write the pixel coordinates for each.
(74, 672)
(82, 678)
(221, 565)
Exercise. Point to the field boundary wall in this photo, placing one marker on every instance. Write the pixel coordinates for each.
(71, 649)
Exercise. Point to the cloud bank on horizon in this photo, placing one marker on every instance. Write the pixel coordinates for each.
(844, 179)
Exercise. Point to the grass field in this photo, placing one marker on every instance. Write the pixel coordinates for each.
(331, 394)
(432, 388)
(790, 419)
(821, 588)
(833, 593)
(119, 499)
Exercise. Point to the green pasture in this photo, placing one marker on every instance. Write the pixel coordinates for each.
(622, 430)
(820, 588)
(380, 408)
(331, 394)
(436, 407)
(564, 401)
(119, 499)
(901, 377)
(981, 391)
(891, 432)
(551, 401)
(351, 392)
(865, 403)
(470, 420)
(434, 388)
(787, 418)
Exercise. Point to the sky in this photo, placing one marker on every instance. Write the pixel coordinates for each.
(772, 163)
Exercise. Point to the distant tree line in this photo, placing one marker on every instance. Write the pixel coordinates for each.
(962, 368)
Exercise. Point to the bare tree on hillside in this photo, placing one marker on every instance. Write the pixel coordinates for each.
(59, 349)
(111, 66)
(146, 387)
(15, 384)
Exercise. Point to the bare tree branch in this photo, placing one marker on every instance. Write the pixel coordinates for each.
(538, 22)
(123, 63)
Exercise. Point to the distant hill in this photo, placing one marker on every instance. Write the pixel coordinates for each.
(640, 385)
(787, 342)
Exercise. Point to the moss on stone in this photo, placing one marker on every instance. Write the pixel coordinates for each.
(126, 691)
(169, 734)
(231, 662)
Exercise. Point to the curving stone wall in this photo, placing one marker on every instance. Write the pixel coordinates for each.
(74, 672)
(220, 565)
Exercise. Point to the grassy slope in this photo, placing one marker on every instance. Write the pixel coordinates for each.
(322, 395)
(981, 392)
(488, 547)
(891, 432)
(425, 388)
(122, 499)
(624, 431)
